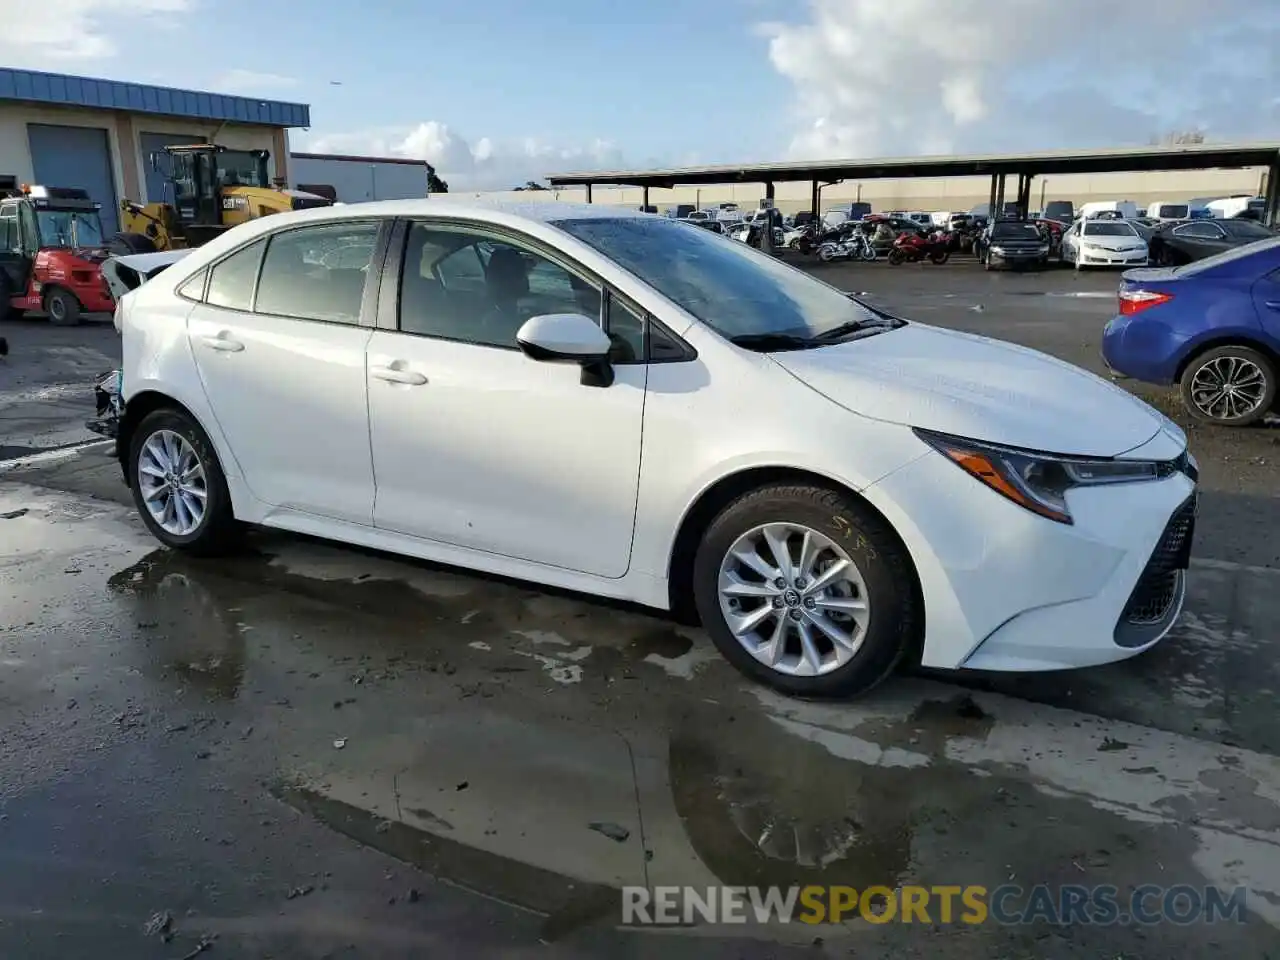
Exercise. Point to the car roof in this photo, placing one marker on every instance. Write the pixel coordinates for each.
(545, 211)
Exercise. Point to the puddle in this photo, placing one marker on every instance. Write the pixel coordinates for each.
(566, 903)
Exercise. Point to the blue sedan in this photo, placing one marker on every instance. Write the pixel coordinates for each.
(1212, 327)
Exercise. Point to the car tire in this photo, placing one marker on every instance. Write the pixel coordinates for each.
(841, 527)
(1212, 365)
(173, 434)
(62, 307)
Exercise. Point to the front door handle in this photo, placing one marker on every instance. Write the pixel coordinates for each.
(396, 375)
(1273, 304)
(224, 343)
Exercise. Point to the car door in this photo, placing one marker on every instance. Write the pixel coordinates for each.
(279, 339)
(1266, 298)
(475, 444)
(1200, 239)
(15, 258)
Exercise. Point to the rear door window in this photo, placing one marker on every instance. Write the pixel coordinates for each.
(318, 273)
(231, 281)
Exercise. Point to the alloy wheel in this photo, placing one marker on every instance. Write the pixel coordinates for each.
(172, 482)
(794, 599)
(1228, 388)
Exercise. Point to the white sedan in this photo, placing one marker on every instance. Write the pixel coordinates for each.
(616, 404)
(1104, 243)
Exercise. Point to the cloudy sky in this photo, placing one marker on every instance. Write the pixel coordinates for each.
(503, 91)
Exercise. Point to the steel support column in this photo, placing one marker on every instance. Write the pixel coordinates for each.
(645, 201)
(1024, 195)
(1271, 208)
(768, 190)
(588, 193)
(991, 197)
(815, 193)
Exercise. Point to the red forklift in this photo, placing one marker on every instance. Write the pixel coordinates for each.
(51, 254)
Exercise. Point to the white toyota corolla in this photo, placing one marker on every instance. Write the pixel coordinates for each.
(613, 403)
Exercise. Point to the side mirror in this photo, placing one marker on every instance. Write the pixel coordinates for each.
(569, 338)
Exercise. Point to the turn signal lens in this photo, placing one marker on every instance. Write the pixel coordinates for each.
(1135, 301)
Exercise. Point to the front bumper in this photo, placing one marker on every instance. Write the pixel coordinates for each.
(1019, 259)
(1093, 258)
(1006, 590)
(109, 404)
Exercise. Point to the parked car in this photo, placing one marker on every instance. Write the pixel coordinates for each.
(1212, 328)
(1012, 243)
(1180, 243)
(1103, 243)
(436, 402)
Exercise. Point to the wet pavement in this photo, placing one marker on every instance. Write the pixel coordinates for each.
(310, 751)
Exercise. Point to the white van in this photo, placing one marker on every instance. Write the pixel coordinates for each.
(1169, 210)
(1229, 207)
(1116, 209)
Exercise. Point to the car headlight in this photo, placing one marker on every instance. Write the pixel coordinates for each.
(1044, 248)
(998, 251)
(1037, 481)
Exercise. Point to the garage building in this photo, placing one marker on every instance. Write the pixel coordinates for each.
(98, 135)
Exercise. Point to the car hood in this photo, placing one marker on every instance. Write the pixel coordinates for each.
(971, 386)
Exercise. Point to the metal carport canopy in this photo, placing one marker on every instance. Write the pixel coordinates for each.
(1198, 156)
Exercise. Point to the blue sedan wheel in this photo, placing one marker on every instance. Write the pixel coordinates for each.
(1229, 386)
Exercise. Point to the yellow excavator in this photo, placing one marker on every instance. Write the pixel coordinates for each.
(208, 190)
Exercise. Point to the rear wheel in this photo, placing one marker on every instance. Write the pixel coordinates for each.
(896, 257)
(806, 590)
(1229, 386)
(178, 484)
(62, 307)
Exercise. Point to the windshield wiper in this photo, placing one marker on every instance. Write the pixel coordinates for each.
(767, 342)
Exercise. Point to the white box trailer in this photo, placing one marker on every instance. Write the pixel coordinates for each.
(350, 179)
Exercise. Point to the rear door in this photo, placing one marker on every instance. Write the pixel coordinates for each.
(279, 341)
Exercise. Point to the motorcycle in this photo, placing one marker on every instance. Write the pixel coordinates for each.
(854, 245)
(914, 248)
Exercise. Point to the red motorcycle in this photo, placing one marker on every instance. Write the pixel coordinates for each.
(915, 247)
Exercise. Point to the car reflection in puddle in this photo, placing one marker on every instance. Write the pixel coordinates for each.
(187, 620)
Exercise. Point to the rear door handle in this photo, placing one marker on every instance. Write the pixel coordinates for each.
(396, 375)
(223, 343)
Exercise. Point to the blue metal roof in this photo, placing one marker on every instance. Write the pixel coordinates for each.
(37, 87)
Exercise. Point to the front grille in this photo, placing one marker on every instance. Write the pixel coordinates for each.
(1158, 586)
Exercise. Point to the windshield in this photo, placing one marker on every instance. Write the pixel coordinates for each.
(1015, 231)
(69, 228)
(727, 285)
(1104, 228)
(241, 168)
(1235, 253)
(1173, 211)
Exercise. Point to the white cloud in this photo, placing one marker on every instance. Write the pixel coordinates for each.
(251, 81)
(487, 164)
(919, 76)
(57, 34)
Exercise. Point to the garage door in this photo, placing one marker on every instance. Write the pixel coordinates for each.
(154, 143)
(76, 157)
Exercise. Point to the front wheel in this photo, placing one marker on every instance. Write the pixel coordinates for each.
(178, 484)
(826, 253)
(806, 590)
(939, 257)
(62, 307)
(896, 257)
(1229, 386)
